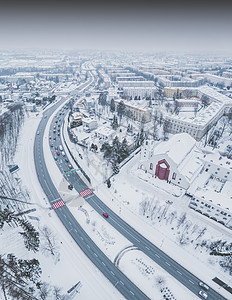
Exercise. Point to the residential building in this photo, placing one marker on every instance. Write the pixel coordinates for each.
(144, 83)
(136, 109)
(89, 124)
(141, 92)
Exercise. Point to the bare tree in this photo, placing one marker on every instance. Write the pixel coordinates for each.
(181, 220)
(44, 291)
(58, 295)
(201, 233)
(49, 242)
(160, 281)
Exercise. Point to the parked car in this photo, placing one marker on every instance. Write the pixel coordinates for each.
(203, 285)
(66, 159)
(203, 294)
(57, 152)
(54, 131)
(55, 157)
(105, 215)
(70, 166)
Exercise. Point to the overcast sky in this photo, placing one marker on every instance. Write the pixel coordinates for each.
(136, 26)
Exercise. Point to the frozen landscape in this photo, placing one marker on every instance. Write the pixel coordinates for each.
(115, 152)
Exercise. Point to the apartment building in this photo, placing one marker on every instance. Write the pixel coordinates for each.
(141, 92)
(204, 119)
(178, 81)
(211, 195)
(136, 109)
(130, 78)
(144, 83)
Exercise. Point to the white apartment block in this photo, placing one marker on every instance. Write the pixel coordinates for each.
(212, 192)
(141, 92)
(137, 109)
(214, 79)
(145, 83)
(178, 81)
(130, 78)
(204, 119)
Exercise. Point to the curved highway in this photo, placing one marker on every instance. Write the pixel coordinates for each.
(128, 289)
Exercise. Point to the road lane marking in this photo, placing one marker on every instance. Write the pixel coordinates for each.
(103, 263)
(82, 238)
(122, 282)
(112, 273)
(179, 272)
(132, 293)
(88, 246)
(191, 281)
(167, 263)
(147, 248)
(95, 254)
(125, 230)
(157, 255)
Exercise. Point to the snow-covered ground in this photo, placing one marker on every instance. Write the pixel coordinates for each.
(129, 188)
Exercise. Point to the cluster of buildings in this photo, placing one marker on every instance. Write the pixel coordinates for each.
(198, 126)
(131, 85)
(136, 110)
(207, 178)
(179, 81)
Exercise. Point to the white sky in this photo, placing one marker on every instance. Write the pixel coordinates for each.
(127, 28)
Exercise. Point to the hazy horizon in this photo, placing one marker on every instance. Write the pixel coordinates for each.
(119, 26)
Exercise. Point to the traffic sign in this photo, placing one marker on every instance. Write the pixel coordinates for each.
(72, 171)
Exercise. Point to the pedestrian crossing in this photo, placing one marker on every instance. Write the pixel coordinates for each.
(58, 204)
(86, 193)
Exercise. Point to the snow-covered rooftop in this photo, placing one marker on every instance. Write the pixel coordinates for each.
(177, 147)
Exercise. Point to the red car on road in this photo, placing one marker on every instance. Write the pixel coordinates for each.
(105, 215)
(57, 152)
